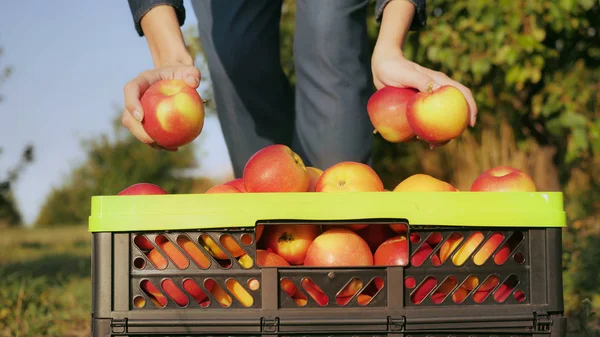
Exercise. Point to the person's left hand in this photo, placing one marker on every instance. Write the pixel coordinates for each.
(391, 68)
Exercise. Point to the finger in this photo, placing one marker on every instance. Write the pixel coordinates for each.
(189, 74)
(133, 91)
(411, 77)
(136, 128)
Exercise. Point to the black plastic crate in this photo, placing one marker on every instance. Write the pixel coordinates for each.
(532, 305)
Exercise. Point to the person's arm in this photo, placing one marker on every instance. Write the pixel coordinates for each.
(391, 68)
(159, 21)
(163, 34)
(420, 7)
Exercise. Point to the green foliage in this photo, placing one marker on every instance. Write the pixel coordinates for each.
(531, 62)
(109, 167)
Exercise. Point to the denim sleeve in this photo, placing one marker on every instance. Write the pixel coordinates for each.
(420, 19)
(140, 7)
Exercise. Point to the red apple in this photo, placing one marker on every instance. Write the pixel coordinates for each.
(423, 183)
(438, 116)
(276, 168)
(237, 183)
(392, 252)
(339, 247)
(291, 241)
(142, 189)
(222, 189)
(314, 175)
(503, 179)
(375, 234)
(266, 258)
(387, 111)
(173, 113)
(349, 176)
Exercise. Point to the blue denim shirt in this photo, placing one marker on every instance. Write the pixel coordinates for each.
(140, 7)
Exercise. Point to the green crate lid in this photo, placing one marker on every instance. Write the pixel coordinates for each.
(204, 211)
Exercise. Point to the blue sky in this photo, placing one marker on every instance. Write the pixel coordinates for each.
(71, 60)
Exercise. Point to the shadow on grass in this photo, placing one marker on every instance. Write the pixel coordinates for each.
(56, 268)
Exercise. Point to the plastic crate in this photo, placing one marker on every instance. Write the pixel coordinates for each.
(530, 224)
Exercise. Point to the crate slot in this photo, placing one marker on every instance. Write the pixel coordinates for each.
(239, 292)
(218, 293)
(511, 245)
(423, 290)
(199, 295)
(173, 252)
(424, 253)
(490, 247)
(450, 245)
(444, 290)
(315, 292)
(197, 255)
(485, 289)
(142, 243)
(506, 288)
(174, 293)
(152, 292)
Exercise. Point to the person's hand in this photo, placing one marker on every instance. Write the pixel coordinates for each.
(133, 114)
(391, 68)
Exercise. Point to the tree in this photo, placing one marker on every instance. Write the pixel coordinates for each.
(9, 212)
(109, 167)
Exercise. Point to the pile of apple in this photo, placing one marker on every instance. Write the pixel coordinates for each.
(434, 116)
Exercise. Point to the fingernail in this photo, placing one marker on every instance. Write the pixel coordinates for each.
(138, 115)
(436, 86)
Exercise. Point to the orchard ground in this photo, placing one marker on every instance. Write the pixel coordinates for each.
(46, 286)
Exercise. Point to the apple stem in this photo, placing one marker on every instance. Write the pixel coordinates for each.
(285, 237)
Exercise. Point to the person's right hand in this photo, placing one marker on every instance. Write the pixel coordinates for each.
(134, 89)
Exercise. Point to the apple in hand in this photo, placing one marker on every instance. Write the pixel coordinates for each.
(423, 183)
(276, 168)
(349, 176)
(438, 116)
(387, 111)
(339, 247)
(503, 179)
(142, 189)
(290, 241)
(173, 113)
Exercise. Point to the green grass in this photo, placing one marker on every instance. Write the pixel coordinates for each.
(46, 285)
